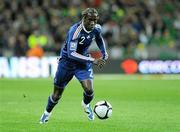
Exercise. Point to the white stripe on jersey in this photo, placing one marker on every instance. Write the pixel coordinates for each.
(78, 30)
(77, 55)
(106, 54)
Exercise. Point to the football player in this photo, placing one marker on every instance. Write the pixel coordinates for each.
(76, 61)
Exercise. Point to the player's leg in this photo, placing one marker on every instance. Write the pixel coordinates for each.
(52, 101)
(62, 77)
(85, 76)
(88, 95)
(54, 98)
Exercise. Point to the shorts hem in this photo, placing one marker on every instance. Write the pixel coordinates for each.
(86, 79)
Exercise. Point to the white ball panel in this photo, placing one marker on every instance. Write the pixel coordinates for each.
(100, 102)
(109, 113)
(101, 110)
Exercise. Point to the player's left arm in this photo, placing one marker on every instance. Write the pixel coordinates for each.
(100, 43)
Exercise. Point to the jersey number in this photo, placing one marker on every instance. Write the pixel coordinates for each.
(83, 38)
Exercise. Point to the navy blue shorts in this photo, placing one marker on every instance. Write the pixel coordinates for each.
(67, 69)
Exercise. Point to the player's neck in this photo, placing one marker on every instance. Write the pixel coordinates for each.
(84, 28)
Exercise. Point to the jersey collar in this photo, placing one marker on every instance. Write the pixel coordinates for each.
(85, 28)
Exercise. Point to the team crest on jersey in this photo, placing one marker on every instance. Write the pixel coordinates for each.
(88, 37)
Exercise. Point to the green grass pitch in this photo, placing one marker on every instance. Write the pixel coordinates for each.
(140, 104)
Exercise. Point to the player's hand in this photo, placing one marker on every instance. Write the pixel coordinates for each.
(106, 57)
(99, 62)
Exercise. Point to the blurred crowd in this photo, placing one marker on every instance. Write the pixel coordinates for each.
(39, 27)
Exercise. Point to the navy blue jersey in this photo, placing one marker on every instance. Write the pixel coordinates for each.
(78, 41)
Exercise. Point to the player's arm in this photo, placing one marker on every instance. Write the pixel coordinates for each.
(101, 44)
(72, 47)
(76, 56)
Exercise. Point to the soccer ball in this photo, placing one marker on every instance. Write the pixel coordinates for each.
(103, 109)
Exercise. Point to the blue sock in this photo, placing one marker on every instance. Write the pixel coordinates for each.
(51, 104)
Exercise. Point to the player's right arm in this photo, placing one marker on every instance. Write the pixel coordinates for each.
(72, 44)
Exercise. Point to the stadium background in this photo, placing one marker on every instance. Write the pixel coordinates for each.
(135, 30)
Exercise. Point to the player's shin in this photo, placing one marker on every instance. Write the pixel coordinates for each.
(88, 96)
(51, 104)
(47, 113)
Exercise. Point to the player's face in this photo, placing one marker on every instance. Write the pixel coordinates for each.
(90, 22)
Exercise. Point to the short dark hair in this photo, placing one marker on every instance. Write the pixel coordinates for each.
(90, 12)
